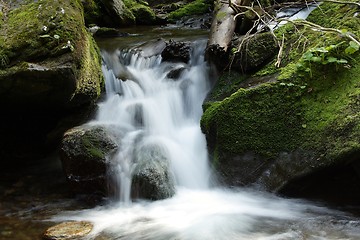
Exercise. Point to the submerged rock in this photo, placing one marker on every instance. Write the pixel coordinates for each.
(68, 231)
(152, 178)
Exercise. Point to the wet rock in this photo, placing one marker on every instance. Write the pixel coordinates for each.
(68, 231)
(152, 48)
(152, 176)
(177, 51)
(116, 62)
(84, 152)
(119, 14)
(176, 72)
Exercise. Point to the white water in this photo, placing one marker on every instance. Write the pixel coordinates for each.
(170, 112)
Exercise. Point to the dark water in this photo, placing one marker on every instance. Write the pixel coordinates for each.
(143, 34)
(29, 194)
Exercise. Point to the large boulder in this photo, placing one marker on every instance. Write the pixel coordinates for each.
(297, 122)
(50, 75)
(85, 153)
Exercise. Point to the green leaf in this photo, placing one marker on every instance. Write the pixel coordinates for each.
(352, 48)
(320, 49)
(307, 56)
(316, 59)
(354, 45)
(342, 61)
(332, 59)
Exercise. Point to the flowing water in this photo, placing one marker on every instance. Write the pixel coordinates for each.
(151, 108)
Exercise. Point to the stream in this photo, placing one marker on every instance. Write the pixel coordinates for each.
(171, 110)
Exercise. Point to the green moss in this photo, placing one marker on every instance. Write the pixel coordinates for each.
(91, 82)
(143, 14)
(194, 8)
(53, 31)
(342, 16)
(264, 120)
(41, 29)
(226, 85)
(140, 11)
(267, 70)
(96, 143)
(332, 114)
(317, 112)
(92, 11)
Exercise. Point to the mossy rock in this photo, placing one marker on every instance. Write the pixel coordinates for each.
(93, 11)
(297, 122)
(84, 152)
(144, 15)
(49, 65)
(197, 7)
(253, 53)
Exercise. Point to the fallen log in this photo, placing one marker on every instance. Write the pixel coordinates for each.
(222, 30)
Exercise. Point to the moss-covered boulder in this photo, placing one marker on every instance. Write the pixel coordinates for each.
(50, 74)
(84, 156)
(296, 120)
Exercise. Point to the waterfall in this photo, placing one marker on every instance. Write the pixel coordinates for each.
(148, 107)
(152, 107)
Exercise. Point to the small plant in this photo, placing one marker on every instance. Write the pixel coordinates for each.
(332, 54)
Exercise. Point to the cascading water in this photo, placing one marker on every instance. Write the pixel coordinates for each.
(151, 108)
